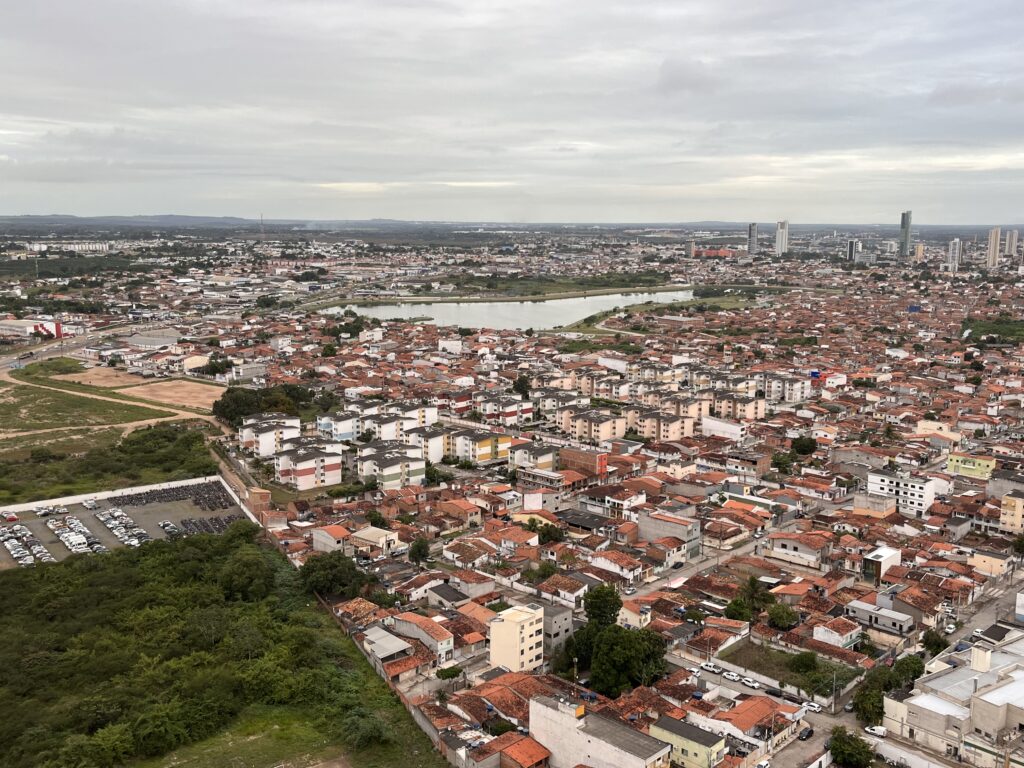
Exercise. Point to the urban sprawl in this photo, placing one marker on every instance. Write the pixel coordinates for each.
(782, 491)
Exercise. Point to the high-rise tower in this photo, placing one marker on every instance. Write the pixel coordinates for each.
(905, 218)
(781, 238)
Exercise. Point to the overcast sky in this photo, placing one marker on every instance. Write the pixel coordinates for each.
(569, 110)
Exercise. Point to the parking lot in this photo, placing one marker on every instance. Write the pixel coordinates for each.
(146, 517)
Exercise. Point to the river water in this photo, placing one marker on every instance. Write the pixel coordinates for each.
(503, 315)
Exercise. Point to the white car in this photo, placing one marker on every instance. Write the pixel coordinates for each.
(694, 672)
(876, 730)
(949, 629)
(730, 675)
(710, 667)
(764, 764)
(750, 682)
(978, 632)
(812, 706)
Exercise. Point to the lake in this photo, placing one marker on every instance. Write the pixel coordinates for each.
(504, 315)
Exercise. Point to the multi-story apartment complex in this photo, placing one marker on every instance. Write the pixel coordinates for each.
(517, 638)
(914, 494)
(264, 434)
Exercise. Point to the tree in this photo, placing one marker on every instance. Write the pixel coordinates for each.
(247, 575)
(1018, 544)
(908, 669)
(624, 658)
(549, 532)
(332, 573)
(419, 551)
(849, 750)
(755, 594)
(781, 616)
(933, 642)
(602, 605)
(329, 350)
(804, 662)
(376, 519)
(868, 701)
(804, 446)
(738, 610)
(522, 386)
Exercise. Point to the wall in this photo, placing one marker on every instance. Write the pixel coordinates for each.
(101, 495)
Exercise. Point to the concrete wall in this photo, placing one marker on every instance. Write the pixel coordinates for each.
(102, 495)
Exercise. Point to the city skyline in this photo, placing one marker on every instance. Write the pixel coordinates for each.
(601, 112)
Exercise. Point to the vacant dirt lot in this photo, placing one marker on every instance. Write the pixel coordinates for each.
(187, 393)
(102, 377)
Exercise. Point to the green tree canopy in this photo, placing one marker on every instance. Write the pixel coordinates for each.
(419, 550)
(849, 750)
(333, 573)
(781, 616)
(804, 446)
(602, 605)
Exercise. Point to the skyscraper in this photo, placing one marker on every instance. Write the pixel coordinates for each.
(851, 249)
(953, 256)
(905, 233)
(992, 261)
(919, 252)
(752, 238)
(781, 238)
(1011, 242)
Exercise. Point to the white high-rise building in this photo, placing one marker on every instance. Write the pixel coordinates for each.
(1011, 243)
(992, 261)
(953, 256)
(752, 238)
(781, 238)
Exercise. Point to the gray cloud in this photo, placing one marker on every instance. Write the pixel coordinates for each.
(514, 109)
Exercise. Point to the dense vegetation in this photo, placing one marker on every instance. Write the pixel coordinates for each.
(1006, 328)
(619, 659)
(155, 454)
(105, 659)
(237, 402)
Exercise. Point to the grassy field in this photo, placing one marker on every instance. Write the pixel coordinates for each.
(263, 736)
(100, 461)
(288, 737)
(27, 408)
(70, 441)
(590, 324)
(775, 664)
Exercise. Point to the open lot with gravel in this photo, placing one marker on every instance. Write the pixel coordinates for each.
(146, 517)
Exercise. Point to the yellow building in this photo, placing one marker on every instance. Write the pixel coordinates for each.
(1011, 513)
(989, 563)
(517, 638)
(692, 747)
(966, 465)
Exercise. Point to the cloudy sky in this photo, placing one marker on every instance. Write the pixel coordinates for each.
(568, 110)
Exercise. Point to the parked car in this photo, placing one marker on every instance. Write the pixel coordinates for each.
(711, 667)
(730, 675)
(848, 707)
(812, 706)
(876, 730)
(630, 590)
(764, 764)
(949, 629)
(773, 691)
(750, 682)
(805, 734)
(978, 632)
(677, 566)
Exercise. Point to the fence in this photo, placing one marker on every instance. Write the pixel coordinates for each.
(99, 495)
